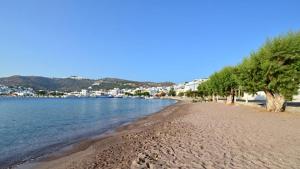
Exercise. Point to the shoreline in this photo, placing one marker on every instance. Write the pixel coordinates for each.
(82, 144)
(193, 135)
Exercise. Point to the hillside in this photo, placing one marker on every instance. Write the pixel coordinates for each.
(70, 84)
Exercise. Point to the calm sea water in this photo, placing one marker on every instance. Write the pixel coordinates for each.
(31, 127)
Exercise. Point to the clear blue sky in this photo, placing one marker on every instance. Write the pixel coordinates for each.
(156, 40)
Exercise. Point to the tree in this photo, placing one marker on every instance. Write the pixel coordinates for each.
(188, 93)
(141, 93)
(223, 83)
(205, 89)
(146, 94)
(128, 94)
(274, 69)
(180, 94)
(41, 92)
(191, 93)
(138, 92)
(228, 84)
(56, 93)
(215, 85)
(172, 92)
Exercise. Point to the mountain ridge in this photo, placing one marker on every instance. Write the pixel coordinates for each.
(73, 84)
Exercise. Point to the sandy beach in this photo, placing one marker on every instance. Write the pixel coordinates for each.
(193, 135)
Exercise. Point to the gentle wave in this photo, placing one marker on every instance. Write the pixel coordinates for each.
(31, 127)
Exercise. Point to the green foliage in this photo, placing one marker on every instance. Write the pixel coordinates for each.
(128, 94)
(41, 92)
(222, 83)
(56, 93)
(141, 93)
(172, 92)
(146, 94)
(192, 93)
(181, 94)
(227, 81)
(274, 68)
(205, 89)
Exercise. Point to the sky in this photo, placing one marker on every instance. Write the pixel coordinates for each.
(145, 40)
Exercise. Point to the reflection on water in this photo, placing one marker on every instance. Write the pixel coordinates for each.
(30, 124)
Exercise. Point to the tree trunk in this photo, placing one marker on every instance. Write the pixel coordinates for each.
(214, 98)
(231, 97)
(235, 96)
(275, 102)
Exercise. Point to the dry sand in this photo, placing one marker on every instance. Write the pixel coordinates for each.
(195, 135)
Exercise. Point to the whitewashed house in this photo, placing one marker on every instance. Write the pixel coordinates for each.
(115, 92)
(258, 96)
(296, 98)
(192, 85)
(84, 92)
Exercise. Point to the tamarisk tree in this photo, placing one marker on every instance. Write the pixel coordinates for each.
(227, 84)
(274, 69)
(205, 90)
(222, 83)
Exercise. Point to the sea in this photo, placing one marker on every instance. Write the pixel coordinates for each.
(34, 127)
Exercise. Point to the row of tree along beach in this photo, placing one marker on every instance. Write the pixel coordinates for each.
(274, 68)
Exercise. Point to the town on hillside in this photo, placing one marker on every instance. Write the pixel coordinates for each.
(183, 90)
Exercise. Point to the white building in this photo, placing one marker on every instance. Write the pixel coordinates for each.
(4, 90)
(84, 92)
(179, 88)
(115, 92)
(258, 96)
(99, 92)
(76, 77)
(152, 90)
(25, 93)
(262, 96)
(192, 85)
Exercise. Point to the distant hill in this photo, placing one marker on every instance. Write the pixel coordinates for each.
(73, 84)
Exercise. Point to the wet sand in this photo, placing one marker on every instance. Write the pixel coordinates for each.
(193, 135)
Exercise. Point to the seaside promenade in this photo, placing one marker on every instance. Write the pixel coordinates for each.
(194, 135)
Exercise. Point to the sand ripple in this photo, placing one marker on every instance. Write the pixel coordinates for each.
(199, 135)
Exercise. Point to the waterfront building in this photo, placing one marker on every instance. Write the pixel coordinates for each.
(115, 92)
(193, 85)
(189, 86)
(84, 92)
